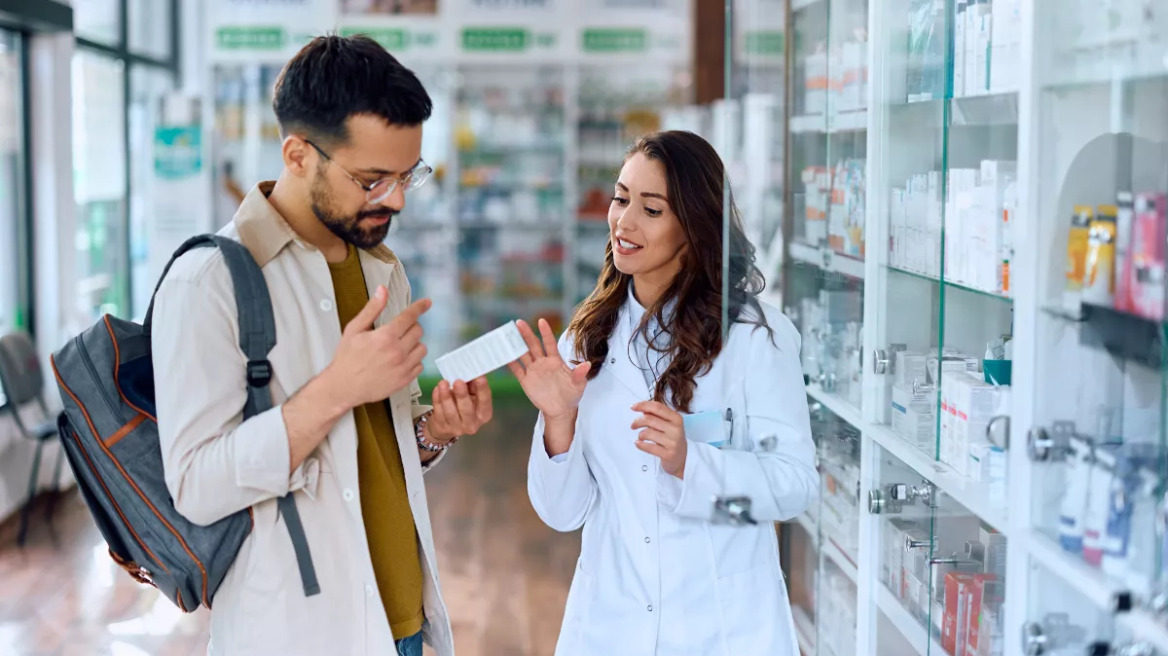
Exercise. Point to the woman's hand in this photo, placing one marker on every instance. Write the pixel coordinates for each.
(663, 435)
(550, 384)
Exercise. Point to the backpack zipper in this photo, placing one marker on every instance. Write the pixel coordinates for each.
(93, 373)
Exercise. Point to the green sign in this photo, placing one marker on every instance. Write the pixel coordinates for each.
(389, 38)
(495, 39)
(764, 42)
(615, 40)
(178, 151)
(250, 38)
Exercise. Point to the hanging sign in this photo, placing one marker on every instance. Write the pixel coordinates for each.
(265, 30)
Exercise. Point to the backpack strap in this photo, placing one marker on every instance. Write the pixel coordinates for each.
(257, 337)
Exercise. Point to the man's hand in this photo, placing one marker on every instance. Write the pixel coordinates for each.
(459, 410)
(373, 364)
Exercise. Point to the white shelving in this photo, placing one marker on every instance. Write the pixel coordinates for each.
(841, 560)
(827, 259)
(837, 405)
(909, 627)
(972, 495)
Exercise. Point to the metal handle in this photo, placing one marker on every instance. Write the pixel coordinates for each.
(875, 502)
(1053, 446)
(879, 361)
(1034, 639)
(911, 544)
(990, 431)
(734, 511)
(1053, 632)
(920, 388)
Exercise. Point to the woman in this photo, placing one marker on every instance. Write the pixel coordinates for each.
(660, 418)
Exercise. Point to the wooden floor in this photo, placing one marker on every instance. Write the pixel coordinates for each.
(505, 575)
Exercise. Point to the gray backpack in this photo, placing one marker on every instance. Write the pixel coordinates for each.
(109, 433)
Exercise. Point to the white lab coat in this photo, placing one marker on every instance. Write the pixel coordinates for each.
(655, 574)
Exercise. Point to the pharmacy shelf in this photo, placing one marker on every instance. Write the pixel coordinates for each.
(810, 123)
(1094, 586)
(971, 494)
(950, 284)
(912, 630)
(852, 121)
(809, 526)
(841, 560)
(827, 259)
(804, 630)
(838, 406)
(797, 5)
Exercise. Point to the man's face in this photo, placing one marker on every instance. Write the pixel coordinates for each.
(375, 150)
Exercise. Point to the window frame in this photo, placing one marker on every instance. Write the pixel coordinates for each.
(131, 59)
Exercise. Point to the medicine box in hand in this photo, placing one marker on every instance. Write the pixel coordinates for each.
(485, 354)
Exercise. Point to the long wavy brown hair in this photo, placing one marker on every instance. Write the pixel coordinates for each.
(698, 193)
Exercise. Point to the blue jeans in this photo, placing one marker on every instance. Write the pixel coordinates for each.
(411, 646)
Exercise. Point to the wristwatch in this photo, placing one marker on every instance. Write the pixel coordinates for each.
(420, 435)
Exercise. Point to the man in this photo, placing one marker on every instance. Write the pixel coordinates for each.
(348, 435)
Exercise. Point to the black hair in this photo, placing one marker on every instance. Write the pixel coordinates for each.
(335, 77)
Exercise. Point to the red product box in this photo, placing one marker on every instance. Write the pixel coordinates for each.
(953, 625)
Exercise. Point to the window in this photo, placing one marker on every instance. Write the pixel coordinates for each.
(13, 228)
(125, 63)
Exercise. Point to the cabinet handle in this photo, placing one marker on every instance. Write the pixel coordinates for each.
(879, 361)
(1051, 633)
(1052, 446)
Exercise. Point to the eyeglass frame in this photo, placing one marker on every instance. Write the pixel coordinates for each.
(393, 181)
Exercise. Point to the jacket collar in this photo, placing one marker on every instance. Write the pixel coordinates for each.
(266, 233)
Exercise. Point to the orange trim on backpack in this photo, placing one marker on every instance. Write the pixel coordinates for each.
(117, 367)
(168, 525)
(126, 430)
(77, 438)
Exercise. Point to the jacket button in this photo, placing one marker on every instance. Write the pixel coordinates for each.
(650, 608)
(368, 591)
(326, 305)
(645, 468)
(347, 495)
(612, 361)
(647, 540)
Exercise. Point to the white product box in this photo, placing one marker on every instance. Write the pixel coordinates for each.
(958, 231)
(987, 465)
(959, 8)
(935, 222)
(897, 221)
(971, 405)
(972, 12)
(996, 179)
(1006, 50)
(483, 355)
(984, 34)
(917, 222)
(910, 367)
(912, 416)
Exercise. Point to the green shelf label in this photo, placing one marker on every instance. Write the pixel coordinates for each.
(764, 43)
(615, 40)
(250, 38)
(389, 38)
(498, 39)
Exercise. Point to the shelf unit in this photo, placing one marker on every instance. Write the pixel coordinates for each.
(963, 235)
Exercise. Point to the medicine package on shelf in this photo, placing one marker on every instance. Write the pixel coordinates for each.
(483, 355)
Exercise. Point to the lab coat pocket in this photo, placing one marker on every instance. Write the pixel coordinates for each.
(753, 610)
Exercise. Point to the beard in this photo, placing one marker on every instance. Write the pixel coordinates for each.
(349, 228)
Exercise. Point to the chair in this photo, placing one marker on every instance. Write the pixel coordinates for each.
(23, 383)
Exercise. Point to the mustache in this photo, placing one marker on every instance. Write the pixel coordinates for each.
(377, 214)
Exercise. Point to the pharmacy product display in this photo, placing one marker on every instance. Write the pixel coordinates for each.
(974, 256)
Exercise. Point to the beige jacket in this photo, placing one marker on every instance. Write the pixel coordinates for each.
(215, 465)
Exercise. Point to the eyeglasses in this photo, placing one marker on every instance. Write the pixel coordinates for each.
(380, 190)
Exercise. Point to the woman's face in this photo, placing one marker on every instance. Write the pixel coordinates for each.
(647, 238)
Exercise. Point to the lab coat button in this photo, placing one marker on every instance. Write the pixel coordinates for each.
(347, 495)
(644, 468)
(368, 591)
(612, 361)
(326, 305)
(650, 608)
(647, 540)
